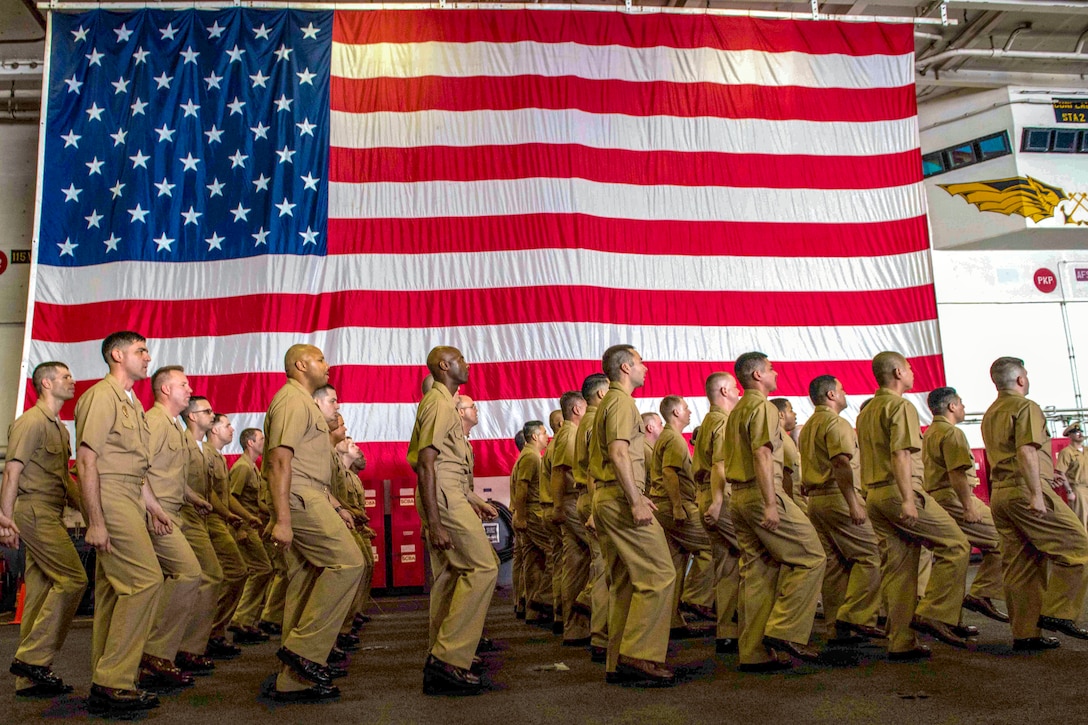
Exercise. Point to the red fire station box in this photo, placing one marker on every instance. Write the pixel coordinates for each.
(375, 508)
(407, 552)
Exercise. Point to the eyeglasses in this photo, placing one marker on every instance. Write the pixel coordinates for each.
(201, 412)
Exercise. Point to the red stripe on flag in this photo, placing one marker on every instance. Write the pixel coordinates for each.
(608, 28)
(251, 392)
(462, 235)
(495, 306)
(617, 166)
(655, 98)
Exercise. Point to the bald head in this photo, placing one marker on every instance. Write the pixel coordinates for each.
(306, 365)
(296, 354)
(448, 367)
(885, 365)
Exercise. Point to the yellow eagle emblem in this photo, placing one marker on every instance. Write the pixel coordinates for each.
(1021, 195)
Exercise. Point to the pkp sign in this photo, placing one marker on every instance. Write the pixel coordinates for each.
(1045, 280)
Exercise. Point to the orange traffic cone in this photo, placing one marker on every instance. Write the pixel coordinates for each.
(20, 602)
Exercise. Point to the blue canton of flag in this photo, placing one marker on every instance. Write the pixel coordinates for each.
(186, 136)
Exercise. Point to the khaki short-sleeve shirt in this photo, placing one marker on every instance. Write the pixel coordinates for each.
(1072, 463)
(754, 423)
(294, 421)
(246, 484)
(438, 426)
(888, 424)
(1010, 422)
(672, 452)
(169, 458)
(710, 445)
(944, 449)
(825, 435)
(618, 419)
(218, 472)
(563, 447)
(791, 457)
(39, 441)
(526, 475)
(582, 437)
(546, 462)
(115, 428)
(197, 471)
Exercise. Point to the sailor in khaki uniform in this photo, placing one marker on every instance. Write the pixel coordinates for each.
(714, 494)
(245, 490)
(905, 517)
(112, 457)
(462, 559)
(791, 457)
(782, 561)
(164, 495)
(222, 523)
(1073, 463)
(594, 388)
(948, 461)
(1044, 548)
(555, 534)
(323, 563)
(673, 492)
(829, 473)
(32, 498)
(198, 417)
(636, 555)
(528, 520)
(576, 538)
(653, 426)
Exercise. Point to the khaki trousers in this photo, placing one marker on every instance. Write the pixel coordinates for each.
(537, 556)
(699, 581)
(199, 626)
(687, 539)
(641, 580)
(234, 573)
(55, 582)
(517, 571)
(464, 580)
(780, 572)
(901, 546)
(726, 555)
(128, 582)
(555, 556)
(1080, 504)
(851, 588)
(575, 572)
(358, 602)
(1045, 559)
(323, 570)
(276, 594)
(983, 536)
(179, 591)
(255, 560)
(597, 587)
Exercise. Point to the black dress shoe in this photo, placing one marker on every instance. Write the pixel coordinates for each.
(270, 628)
(360, 619)
(196, 664)
(919, 652)
(249, 635)
(598, 654)
(579, 642)
(486, 645)
(1065, 626)
(774, 665)
(43, 690)
(315, 693)
(347, 642)
(336, 670)
(863, 629)
(684, 632)
(110, 700)
(985, 607)
(219, 648)
(157, 672)
(800, 651)
(937, 629)
(1035, 644)
(442, 678)
(725, 646)
(699, 612)
(38, 674)
(304, 668)
(557, 627)
(336, 655)
(632, 671)
(965, 630)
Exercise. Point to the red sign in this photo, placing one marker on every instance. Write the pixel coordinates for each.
(1045, 280)
(3, 262)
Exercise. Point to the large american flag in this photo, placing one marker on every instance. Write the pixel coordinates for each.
(531, 186)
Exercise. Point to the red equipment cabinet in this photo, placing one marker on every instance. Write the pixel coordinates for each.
(407, 554)
(374, 506)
